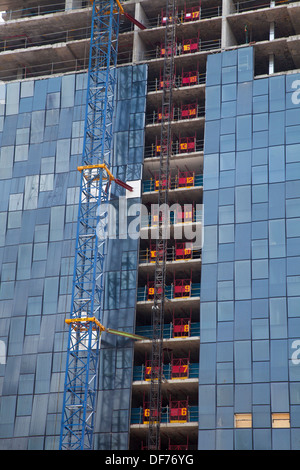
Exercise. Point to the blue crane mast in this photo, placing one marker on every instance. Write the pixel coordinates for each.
(85, 327)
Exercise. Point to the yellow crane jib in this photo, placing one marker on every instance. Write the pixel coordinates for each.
(82, 324)
(109, 176)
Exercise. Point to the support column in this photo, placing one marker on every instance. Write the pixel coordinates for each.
(228, 38)
(138, 44)
(271, 56)
(271, 64)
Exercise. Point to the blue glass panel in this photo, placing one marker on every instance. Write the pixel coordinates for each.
(260, 156)
(276, 201)
(261, 87)
(277, 93)
(293, 285)
(226, 233)
(207, 406)
(211, 144)
(211, 173)
(279, 393)
(225, 351)
(228, 109)
(278, 318)
(293, 171)
(260, 193)
(225, 311)
(208, 321)
(277, 286)
(210, 245)
(260, 139)
(293, 153)
(262, 439)
(68, 91)
(213, 69)
(260, 269)
(260, 104)
(229, 92)
(245, 64)
(276, 164)
(227, 126)
(242, 326)
(277, 126)
(260, 329)
(244, 132)
(261, 122)
(208, 285)
(229, 74)
(292, 134)
(54, 83)
(226, 214)
(229, 58)
(243, 204)
(225, 271)
(242, 241)
(227, 161)
(244, 98)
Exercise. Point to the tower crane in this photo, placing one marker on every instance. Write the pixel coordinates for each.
(85, 327)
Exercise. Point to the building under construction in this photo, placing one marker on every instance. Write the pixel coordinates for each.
(124, 326)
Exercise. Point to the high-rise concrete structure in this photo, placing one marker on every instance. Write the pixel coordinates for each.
(231, 372)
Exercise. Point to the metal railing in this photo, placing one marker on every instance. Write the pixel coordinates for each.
(50, 68)
(58, 7)
(137, 415)
(168, 332)
(192, 372)
(154, 118)
(155, 85)
(257, 5)
(23, 41)
(37, 10)
(148, 222)
(202, 46)
(204, 13)
(171, 255)
(151, 185)
(150, 150)
(143, 295)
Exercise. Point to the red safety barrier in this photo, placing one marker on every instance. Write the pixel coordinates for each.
(182, 287)
(151, 290)
(190, 45)
(187, 144)
(183, 250)
(148, 371)
(184, 215)
(186, 179)
(189, 111)
(180, 368)
(189, 78)
(179, 411)
(192, 14)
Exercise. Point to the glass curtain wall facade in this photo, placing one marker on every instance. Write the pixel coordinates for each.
(41, 138)
(249, 389)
